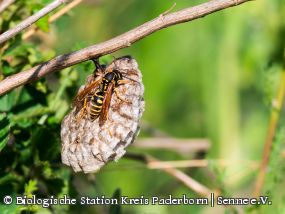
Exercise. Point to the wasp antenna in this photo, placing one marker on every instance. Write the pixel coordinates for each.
(130, 78)
(128, 72)
(114, 60)
(124, 69)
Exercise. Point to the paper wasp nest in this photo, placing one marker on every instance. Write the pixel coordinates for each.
(85, 145)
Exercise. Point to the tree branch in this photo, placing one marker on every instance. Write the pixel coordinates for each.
(119, 42)
(30, 20)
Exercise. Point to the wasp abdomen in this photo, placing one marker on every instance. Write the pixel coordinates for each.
(96, 105)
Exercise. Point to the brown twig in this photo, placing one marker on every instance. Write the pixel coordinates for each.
(54, 17)
(180, 145)
(30, 20)
(277, 104)
(4, 4)
(119, 42)
(181, 176)
(168, 11)
(198, 163)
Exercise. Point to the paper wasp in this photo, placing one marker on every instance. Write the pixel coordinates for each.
(95, 98)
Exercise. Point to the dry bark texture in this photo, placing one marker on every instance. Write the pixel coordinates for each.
(85, 145)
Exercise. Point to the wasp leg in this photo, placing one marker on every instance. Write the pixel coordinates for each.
(82, 111)
(107, 118)
(120, 98)
(108, 125)
(110, 133)
(127, 81)
(121, 82)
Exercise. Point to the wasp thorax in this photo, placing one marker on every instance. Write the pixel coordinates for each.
(86, 145)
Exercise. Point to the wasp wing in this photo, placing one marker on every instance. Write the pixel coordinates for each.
(78, 99)
(106, 104)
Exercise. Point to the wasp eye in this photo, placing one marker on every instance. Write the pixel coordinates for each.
(109, 76)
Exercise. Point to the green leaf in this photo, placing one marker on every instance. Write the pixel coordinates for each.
(30, 187)
(33, 6)
(8, 70)
(40, 86)
(43, 24)
(4, 130)
(7, 101)
(46, 142)
(4, 141)
(17, 50)
(8, 179)
(14, 43)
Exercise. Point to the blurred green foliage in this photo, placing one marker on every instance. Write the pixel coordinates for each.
(212, 78)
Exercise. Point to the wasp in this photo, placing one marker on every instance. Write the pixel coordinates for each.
(95, 98)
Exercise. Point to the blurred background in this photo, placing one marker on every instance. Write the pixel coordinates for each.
(210, 83)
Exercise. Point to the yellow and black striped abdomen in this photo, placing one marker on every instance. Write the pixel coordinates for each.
(96, 105)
